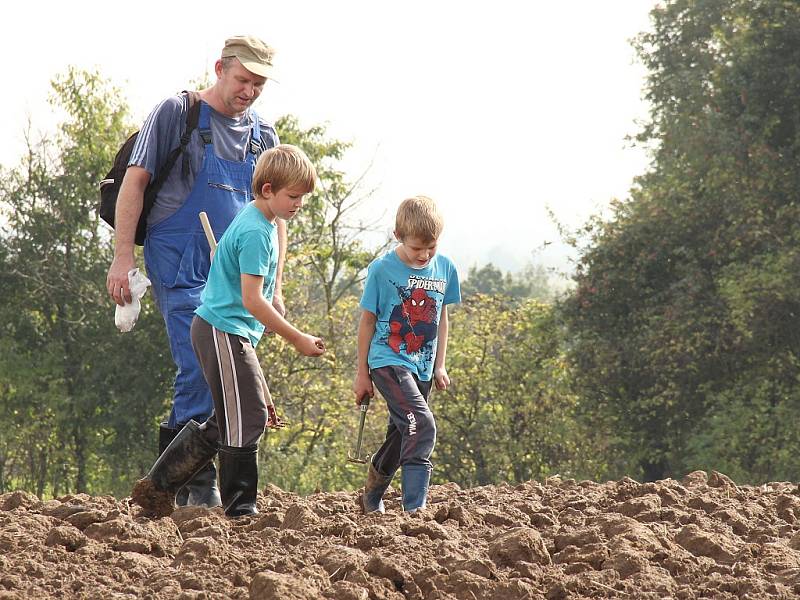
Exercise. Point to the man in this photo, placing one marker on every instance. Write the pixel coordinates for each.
(217, 178)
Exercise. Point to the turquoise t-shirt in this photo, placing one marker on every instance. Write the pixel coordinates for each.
(408, 304)
(249, 245)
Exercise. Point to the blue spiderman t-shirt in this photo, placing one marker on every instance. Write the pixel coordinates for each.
(408, 304)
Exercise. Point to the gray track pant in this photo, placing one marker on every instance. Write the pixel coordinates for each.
(411, 434)
(237, 384)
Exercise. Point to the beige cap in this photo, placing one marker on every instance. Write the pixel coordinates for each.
(254, 54)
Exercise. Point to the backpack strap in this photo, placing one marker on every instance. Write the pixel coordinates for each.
(192, 119)
(255, 135)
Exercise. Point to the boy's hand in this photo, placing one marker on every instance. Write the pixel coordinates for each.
(363, 386)
(308, 345)
(441, 378)
(277, 303)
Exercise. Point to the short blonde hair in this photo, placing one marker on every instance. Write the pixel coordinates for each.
(284, 166)
(419, 218)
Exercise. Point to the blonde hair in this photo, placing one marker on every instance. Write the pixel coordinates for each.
(284, 166)
(418, 217)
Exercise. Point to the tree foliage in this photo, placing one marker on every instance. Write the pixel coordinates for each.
(68, 384)
(529, 282)
(683, 321)
(509, 415)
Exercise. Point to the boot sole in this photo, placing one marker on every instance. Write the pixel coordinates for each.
(239, 513)
(155, 502)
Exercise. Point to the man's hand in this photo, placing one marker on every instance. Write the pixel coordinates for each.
(117, 279)
(129, 207)
(308, 345)
(441, 378)
(363, 386)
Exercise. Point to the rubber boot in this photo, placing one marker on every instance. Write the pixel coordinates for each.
(374, 489)
(165, 435)
(202, 489)
(238, 479)
(415, 486)
(187, 454)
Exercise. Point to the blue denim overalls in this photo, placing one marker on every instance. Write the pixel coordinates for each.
(176, 255)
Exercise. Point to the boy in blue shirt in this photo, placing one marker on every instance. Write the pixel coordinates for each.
(402, 345)
(236, 306)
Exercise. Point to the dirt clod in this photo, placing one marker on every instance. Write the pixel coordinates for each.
(155, 502)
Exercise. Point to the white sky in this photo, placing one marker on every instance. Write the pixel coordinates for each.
(495, 109)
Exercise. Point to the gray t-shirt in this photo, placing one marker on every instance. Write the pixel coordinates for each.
(161, 133)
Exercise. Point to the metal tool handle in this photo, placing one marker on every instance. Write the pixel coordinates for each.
(363, 406)
(360, 433)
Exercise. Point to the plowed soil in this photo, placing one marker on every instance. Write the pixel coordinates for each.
(703, 536)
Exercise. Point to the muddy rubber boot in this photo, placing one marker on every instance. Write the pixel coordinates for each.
(416, 479)
(183, 458)
(165, 435)
(202, 489)
(238, 479)
(374, 489)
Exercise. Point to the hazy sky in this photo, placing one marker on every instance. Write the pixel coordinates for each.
(497, 109)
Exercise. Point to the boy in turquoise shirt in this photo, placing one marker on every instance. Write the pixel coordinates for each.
(402, 345)
(236, 307)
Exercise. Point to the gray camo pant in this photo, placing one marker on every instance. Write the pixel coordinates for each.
(411, 434)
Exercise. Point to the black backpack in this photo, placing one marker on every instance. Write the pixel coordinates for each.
(109, 186)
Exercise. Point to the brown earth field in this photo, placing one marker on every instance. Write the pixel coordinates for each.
(701, 537)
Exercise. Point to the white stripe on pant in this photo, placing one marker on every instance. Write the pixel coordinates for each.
(234, 375)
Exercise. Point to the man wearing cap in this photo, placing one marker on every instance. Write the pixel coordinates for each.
(221, 153)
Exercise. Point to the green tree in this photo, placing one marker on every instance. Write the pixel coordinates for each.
(530, 282)
(509, 414)
(683, 317)
(68, 387)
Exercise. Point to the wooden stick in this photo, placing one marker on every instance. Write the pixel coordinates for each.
(212, 242)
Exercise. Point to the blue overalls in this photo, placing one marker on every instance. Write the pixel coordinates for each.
(176, 255)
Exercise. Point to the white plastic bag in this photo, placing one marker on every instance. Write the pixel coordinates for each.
(125, 316)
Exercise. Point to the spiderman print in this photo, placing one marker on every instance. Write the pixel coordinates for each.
(413, 322)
